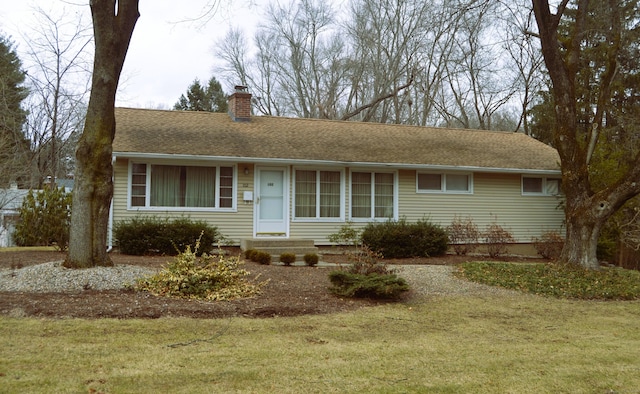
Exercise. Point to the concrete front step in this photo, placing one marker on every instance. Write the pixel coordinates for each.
(276, 247)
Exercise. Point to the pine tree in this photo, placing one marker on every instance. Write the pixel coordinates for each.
(208, 99)
(14, 147)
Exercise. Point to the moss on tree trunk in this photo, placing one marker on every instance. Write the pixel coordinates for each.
(113, 24)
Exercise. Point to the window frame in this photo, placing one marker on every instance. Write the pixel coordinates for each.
(372, 217)
(218, 187)
(546, 180)
(443, 182)
(317, 217)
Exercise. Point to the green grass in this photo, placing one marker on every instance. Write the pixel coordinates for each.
(557, 280)
(28, 248)
(515, 344)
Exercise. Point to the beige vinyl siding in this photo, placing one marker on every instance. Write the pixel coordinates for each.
(496, 198)
(233, 225)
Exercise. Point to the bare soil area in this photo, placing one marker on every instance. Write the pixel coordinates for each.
(291, 291)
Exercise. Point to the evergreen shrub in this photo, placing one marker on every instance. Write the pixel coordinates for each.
(287, 258)
(45, 217)
(311, 259)
(400, 239)
(150, 235)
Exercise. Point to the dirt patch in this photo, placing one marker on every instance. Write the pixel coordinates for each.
(291, 291)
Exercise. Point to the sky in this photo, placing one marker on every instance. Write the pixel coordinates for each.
(168, 49)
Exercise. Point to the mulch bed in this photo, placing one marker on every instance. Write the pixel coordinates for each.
(292, 291)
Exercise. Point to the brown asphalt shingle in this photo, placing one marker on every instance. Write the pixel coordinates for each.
(266, 137)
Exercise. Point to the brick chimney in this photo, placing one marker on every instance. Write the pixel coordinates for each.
(240, 104)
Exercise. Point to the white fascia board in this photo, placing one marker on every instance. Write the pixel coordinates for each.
(258, 160)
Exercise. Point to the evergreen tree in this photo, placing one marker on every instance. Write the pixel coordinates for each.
(14, 147)
(209, 99)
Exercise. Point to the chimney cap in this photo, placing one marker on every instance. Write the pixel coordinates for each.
(240, 88)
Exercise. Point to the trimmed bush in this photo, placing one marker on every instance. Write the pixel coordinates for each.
(45, 217)
(347, 284)
(261, 257)
(311, 259)
(399, 239)
(150, 235)
(287, 258)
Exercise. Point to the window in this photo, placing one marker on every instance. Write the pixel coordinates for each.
(372, 195)
(158, 185)
(540, 186)
(444, 183)
(317, 194)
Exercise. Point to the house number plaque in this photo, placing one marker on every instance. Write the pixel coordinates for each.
(270, 184)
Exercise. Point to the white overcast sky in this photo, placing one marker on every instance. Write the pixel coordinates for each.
(165, 55)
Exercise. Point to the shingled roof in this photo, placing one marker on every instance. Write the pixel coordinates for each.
(159, 132)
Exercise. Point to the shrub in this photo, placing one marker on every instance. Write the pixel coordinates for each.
(366, 276)
(207, 277)
(398, 239)
(497, 239)
(549, 245)
(365, 261)
(45, 217)
(261, 257)
(148, 235)
(311, 259)
(249, 254)
(463, 235)
(287, 258)
(346, 235)
(557, 280)
(347, 284)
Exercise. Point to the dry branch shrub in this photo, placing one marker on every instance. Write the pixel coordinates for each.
(549, 245)
(497, 240)
(463, 235)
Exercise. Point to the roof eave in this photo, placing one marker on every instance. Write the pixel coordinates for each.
(258, 160)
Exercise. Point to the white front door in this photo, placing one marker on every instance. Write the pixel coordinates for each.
(271, 202)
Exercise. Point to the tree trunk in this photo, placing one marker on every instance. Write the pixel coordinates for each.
(581, 241)
(113, 23)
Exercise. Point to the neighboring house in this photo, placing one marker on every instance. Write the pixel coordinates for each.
(10, 204)
(276, 177)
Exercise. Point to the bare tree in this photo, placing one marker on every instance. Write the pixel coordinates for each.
(113, 24)
(477, 82)
(523, 49)
(58, 48)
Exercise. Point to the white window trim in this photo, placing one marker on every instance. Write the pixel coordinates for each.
(148, 208)
(318, 218)
(443, 183)
(396, 196)
(544, 186)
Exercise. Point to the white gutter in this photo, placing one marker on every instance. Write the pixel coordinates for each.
(161, 156)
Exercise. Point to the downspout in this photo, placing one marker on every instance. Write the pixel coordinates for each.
(110, 225)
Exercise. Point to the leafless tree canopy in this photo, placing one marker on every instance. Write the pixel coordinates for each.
(445, 62)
